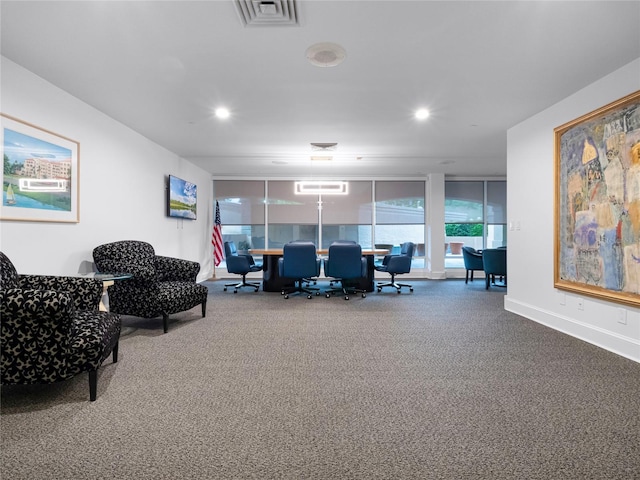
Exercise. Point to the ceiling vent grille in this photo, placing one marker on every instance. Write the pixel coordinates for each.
(324, 147)
(267, 12)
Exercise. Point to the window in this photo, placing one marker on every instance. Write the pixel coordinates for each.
(400, 214)
(348, 217)
(475, 215)
(241, 212)
(291, 216)
(496, 214)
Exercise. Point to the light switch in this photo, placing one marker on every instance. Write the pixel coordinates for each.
(622, 316)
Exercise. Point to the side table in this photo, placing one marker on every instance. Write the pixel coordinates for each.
(108, 279)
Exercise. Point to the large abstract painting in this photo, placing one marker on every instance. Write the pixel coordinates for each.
(40, 174)
(597, 162)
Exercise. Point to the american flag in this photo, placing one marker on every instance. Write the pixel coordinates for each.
(216, 238)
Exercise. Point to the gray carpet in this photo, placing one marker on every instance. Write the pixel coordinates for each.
(438, 384)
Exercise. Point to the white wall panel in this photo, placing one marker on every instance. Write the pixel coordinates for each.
(530, 197)
(122, 186)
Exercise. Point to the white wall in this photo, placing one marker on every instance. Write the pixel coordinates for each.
(122, 186)
(530, 197)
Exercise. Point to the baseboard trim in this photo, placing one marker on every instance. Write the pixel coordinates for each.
(620, 345)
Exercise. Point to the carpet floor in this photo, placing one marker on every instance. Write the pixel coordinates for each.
(441, 383)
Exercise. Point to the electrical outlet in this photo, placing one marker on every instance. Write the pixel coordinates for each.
(622, 316)
(580, 304)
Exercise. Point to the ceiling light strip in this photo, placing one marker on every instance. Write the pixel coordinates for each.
(321, 187)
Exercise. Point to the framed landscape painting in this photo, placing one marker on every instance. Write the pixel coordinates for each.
(597, 205)
(40, 174)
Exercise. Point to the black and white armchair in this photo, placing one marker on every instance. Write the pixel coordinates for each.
(159, 285)
(52, 328)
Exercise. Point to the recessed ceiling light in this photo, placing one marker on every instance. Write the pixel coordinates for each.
(222, 112)
(279, 162)
(422, 113)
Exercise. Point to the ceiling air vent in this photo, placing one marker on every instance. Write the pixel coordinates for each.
(267, 12)
(324, 147)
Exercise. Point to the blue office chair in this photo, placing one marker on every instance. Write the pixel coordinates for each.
(395, 265)
(240, 264)
(345, 262)
(495, 263)
(310, 280)
(299, 261)
(472, 261)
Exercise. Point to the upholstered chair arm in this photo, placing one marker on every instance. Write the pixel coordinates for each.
(248, 257)
(399, 264)
(387, 257)
(176, 269)
(365, 268)
(239, 264)
(93, 337)
(85, 292)
(35, 330)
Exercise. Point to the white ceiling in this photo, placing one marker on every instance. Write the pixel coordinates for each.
(480, 67)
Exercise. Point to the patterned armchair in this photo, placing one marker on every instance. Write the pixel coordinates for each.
(51, 328)
(159, 286)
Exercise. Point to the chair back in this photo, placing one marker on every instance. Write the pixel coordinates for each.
(230, 249)
(299, 260)
(345, 261)
(8, 273)
(126, 256)
(407, 248)
(472, 258)
(495, 261)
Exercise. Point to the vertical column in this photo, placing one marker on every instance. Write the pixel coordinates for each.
(435, 233)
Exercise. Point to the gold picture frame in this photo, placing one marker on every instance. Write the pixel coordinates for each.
(40, 176)
(597, 203)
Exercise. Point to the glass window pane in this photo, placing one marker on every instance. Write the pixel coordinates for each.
(288, 208)
(399, 202)
(497, 202)
(360, 234)
(279, 234)
(241, 201)
(244, 236)
(354, 208)
(458, 235)
(396, 235)
(463, 201)
(496, 235)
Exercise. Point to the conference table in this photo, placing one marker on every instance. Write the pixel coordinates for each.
(273, 282)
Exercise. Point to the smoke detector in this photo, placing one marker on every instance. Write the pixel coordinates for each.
(326, 54)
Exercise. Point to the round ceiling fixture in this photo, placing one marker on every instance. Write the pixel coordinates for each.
(326, 54)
